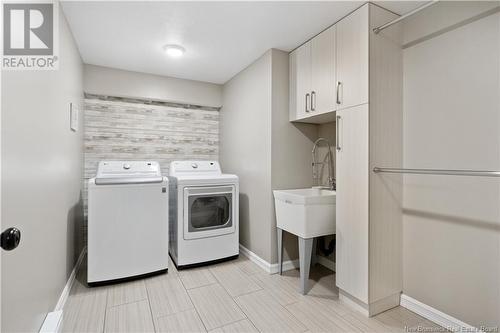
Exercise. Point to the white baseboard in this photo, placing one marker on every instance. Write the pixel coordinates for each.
(52, 322)
(353, 303)
(324, 261)
(53, 319)
(434, 315)
(287, 265)
(268, 267)
(255, 259)
(71, 280)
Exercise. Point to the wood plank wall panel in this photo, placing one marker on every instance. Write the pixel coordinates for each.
(121, 130)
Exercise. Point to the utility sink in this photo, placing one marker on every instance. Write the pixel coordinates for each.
(307, 212)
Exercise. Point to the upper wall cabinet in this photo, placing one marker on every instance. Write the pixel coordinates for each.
(352, 59)
(300, 81)
(323, 71)
(330, 71)
(312, 78)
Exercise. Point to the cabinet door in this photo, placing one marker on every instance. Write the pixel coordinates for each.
(292, 89)
(352, 59)
(300, 82)
(352, 201)
(323, 72)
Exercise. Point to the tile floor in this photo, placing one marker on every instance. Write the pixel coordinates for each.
(235, 296)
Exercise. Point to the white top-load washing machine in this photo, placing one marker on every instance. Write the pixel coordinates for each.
(127, 221)
(203, 216)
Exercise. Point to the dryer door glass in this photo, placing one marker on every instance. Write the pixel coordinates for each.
(210, 211)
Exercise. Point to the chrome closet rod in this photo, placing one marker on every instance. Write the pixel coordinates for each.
(476, 173)
(416, 10)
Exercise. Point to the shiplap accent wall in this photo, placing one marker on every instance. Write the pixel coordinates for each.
(126, 129)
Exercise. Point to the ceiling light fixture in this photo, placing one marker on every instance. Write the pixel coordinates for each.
(174, 51)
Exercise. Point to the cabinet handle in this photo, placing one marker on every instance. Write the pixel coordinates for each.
(307, 102)
(313, 101)
(337, 133)
(338, 92)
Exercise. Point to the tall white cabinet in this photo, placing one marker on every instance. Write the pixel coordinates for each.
(369, 132)
(352, 200)
(368, 113)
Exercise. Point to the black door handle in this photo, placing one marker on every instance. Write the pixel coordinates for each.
(10, 238)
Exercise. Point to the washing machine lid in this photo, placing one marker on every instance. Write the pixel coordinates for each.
(128, 172)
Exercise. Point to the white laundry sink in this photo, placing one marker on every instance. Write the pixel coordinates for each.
(307, 212)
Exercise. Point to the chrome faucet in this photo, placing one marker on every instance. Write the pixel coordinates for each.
(316, 178)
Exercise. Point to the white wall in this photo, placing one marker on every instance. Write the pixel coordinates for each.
(245, 149)
(42, 163)
(116, 82)
(451, 225)
(263, 148)
(327, 131)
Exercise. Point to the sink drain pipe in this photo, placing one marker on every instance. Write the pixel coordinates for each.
(331, 246)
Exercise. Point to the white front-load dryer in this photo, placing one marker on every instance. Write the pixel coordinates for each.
(204, 213)
(127, 221)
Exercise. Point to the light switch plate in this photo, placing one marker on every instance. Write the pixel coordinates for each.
(73, 117)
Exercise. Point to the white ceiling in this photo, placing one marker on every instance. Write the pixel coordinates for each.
(220, 38)
(400, 7)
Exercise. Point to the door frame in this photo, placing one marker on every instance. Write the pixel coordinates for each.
(1, 229)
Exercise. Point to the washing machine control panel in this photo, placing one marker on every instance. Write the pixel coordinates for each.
(107, 169)
(195, 167)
